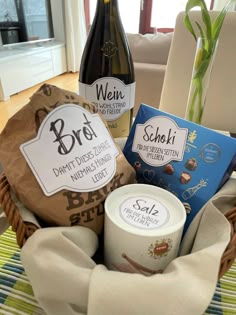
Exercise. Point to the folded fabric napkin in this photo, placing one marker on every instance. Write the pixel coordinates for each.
(67, 281)
(17, 296)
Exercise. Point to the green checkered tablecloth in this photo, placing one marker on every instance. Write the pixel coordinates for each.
(17, 298)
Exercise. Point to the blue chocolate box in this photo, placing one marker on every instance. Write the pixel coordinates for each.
(187, 159)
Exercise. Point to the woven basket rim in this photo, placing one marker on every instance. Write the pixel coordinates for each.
(24, 230)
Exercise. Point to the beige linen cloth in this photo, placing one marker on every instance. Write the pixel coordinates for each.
(66, 281)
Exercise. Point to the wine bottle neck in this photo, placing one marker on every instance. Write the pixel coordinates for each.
(108, 2)
(108, 7)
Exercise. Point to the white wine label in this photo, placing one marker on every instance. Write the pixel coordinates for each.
(73, 150)
(160, 141)
(144, 213)
(112, 97)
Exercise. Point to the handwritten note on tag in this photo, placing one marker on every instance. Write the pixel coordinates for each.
(73, 150)
(160, 141)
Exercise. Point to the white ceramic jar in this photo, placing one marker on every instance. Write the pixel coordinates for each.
(143, 228)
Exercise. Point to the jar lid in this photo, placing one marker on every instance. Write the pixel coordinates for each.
(145, 210)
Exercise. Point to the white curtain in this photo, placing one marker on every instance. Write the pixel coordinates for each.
(75, 33)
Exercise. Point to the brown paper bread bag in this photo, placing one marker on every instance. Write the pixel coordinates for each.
(64, 208)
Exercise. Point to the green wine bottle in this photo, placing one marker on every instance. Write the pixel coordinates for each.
(106, 75)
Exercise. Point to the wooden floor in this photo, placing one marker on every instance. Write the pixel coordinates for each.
(68, 81)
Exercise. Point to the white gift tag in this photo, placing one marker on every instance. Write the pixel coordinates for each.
(160, 141)
(73, 150)
(144, 212)
(111, 96)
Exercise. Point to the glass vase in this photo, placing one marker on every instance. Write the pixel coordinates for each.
(201, 74)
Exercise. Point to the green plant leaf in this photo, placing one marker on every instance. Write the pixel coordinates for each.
(189, 26)
(207, 21)
(190, 5)
(205, 16)
(202, 69)
(218, 22)
(206, 48)
(202, 34)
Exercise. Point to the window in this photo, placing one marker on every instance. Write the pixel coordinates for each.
(160, 15)
(148, 16)
(131, 25)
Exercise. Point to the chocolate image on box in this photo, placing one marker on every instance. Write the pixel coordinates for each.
(187, 207)
(185, 178)
(137, 165)
(168, 169)
(148, 175)
(191, 164)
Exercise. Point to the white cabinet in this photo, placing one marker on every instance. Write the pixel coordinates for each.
(15, 76)
(24, 66)
(59, 60)
(41, 66)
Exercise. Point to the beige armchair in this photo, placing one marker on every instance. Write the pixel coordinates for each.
(220, 107)
(150, 54)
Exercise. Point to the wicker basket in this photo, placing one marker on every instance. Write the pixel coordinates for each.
(24, 230)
